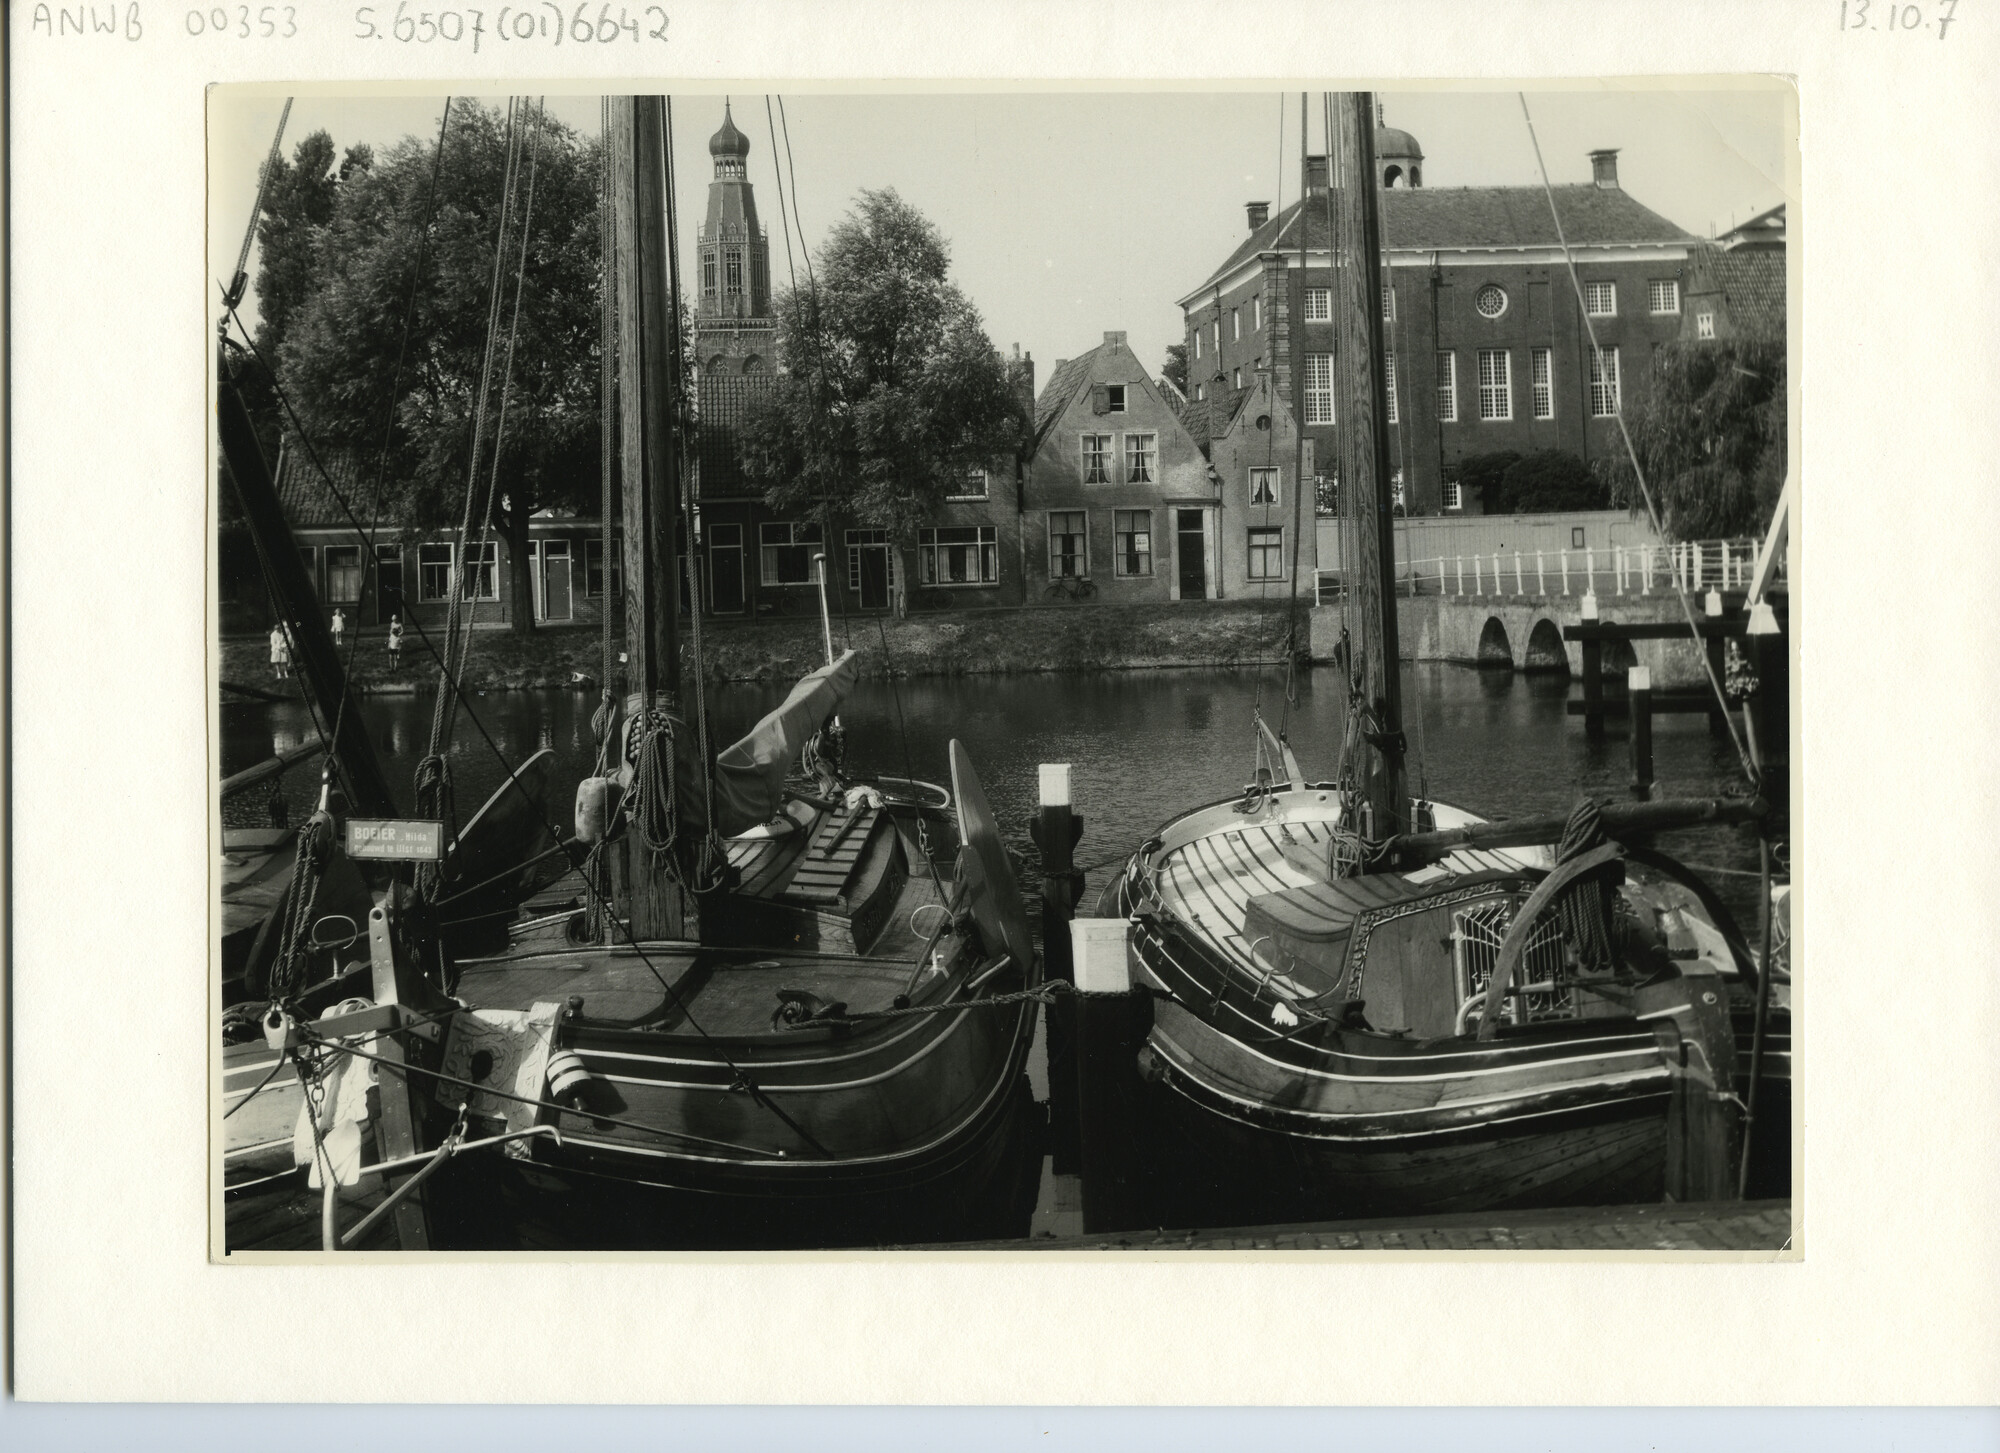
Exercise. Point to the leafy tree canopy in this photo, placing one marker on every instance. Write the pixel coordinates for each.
(1711, 437)
(1484, 472)
(1174, 370)
(1544, 482)
(892, 389)
(346, 331)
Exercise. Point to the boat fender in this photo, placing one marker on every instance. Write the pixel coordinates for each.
(593, 809)
(567, 1078)
(277, 1027)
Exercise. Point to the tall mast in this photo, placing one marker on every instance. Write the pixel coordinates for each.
(1364, 454)
(653, 900)
(648, 368)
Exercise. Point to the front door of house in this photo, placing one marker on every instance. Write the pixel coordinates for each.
(552, 580)
(868, 553)
(1191, 553)
(725, 569)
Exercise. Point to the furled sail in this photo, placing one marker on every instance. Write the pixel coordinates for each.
(750, 776)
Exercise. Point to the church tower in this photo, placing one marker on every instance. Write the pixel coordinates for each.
(734, 331)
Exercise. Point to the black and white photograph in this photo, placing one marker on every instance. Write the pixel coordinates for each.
(1006, 670)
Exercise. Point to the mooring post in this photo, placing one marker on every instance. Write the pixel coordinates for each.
(1593, 671)
(1056, 831)
(1640, 688)
(1109, 1033)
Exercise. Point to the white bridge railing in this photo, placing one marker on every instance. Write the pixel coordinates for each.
(1612, 570)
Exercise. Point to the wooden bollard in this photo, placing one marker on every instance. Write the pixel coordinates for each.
(1109, 1033)
(1639, 688)
(1056, 830)
(1593, 667)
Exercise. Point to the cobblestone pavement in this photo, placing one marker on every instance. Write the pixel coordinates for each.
(1718, 1226)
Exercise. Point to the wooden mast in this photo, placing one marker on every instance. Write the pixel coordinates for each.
(648, 353)
(1363, 416)
(652, 900)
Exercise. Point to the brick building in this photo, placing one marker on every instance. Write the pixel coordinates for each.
(1486, 343)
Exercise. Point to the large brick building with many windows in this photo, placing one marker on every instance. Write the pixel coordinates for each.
(1487, 346)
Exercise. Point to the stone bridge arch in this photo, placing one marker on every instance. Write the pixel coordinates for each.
(1494, 647)
(1546, 651)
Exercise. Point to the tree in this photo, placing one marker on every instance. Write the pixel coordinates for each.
(1174, 370)
(892, 390)
(1484, 472)
(343, 339)
(1547, 481)
(1711, 437)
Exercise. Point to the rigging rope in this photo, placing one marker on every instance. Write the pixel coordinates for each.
(515, 506)
(464, 579)
(271, 164)
(1750, 771)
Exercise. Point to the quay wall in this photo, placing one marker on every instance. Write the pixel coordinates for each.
(1088, 636)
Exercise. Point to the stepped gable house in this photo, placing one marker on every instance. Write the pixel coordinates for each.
(1487, 344)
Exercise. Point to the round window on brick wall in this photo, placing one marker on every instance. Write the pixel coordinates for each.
(1491, 301)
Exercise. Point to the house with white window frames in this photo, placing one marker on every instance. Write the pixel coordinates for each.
(1118, 504)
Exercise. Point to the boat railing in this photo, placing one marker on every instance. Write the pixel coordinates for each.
(1604, 571)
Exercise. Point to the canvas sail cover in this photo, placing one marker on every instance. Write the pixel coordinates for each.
(986, 873)
(750, 776)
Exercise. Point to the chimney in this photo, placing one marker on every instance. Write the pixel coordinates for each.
(1315, 176)
(1117, 339)
(1604, 168)
(1259, 213)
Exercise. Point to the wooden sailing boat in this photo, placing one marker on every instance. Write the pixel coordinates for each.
(1378, 1006)
(783, 1037)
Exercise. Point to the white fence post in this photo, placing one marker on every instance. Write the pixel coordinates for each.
(1478, 584)
(1518, 589)
(1645, 570)
(1565, 571)
(1590, 570)
(1461, 575)
(1541, 585)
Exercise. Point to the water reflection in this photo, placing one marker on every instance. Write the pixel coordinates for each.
(1143, 745)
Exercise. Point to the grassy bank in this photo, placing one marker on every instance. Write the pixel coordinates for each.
(1054, 638)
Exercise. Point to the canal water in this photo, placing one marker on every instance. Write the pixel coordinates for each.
(1143, 746)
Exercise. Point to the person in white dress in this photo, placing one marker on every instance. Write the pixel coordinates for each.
(281, 655)
(339, 625)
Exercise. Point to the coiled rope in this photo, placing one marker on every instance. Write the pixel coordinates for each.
(1581, 908)
(655, 794)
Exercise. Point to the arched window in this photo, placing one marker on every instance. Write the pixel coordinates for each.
(1416, 176)
(753, 364)
(1392, 177)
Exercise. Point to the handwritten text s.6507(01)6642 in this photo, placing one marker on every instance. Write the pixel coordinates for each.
(545, 22)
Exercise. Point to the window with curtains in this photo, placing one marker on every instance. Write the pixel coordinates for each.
(343, 574)
(958, 555)
(1264, 486)
(434, 572)
(1132, 542)
(785, 550)
(1097, 459)
(1069, 551)
(1141, 456)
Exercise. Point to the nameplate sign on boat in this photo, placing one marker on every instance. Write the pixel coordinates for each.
(404, 840)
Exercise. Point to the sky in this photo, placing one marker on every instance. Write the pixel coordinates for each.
(1070, 213)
